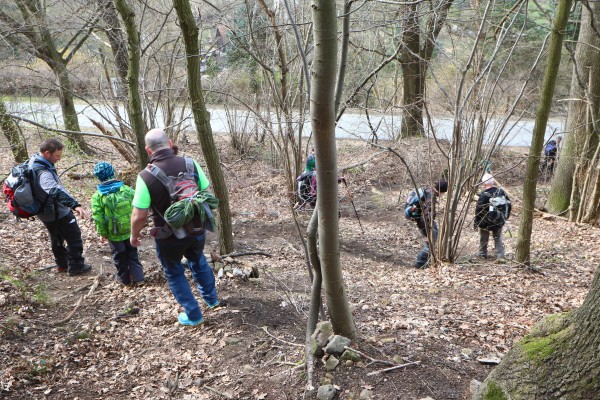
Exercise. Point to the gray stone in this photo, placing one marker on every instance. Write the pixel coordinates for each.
(466, 353)
(349, 355)
(337, 344)
(365, 394)
(331, 363)
(326, 392)
(319, 338)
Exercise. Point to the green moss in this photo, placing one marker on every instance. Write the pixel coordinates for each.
(493, 392)
(548, 336)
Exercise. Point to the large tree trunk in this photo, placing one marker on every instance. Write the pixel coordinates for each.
(523, 246)
(17, 144)
(322, 110)
(557, 360)
(189, 30)
(412, 76)
(117, 42)
(586, 78)
(133, 80)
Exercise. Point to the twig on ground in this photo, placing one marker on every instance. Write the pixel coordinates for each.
(226, 395)
(246, 253)
(264, 328)
(373, 360)
(394, 368)
(79, 302)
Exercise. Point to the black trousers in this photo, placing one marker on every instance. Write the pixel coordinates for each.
(66, 230)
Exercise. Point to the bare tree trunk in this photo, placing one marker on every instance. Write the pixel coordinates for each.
(18, 147)
(523, 246)
(410, 61)
(118, 44)
(133, 80)
(189, 30)
(323, 126)
(584, 100)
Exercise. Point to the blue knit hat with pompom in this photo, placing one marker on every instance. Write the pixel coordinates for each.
(104, 171)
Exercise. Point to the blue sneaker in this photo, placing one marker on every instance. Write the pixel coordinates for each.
(184, 320)
(212, 306)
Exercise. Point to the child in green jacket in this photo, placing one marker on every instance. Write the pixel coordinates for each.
(111, 212)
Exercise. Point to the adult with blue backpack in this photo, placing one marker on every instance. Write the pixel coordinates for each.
(57, 208)
(420, 207)
(176, 185)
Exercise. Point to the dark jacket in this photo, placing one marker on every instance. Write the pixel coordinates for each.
(429, 209)
(483, 218)
(172, 165)
(49, 191)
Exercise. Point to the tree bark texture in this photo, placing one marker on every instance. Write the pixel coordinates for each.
(412, 76)
(133, 80)
(523, 247)
(558, 359)
(322, 110)
(18, 147)
(585, 78)
(189, 31)
(118, 44)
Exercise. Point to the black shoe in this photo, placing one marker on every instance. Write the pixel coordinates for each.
(420, 266)
(83, 270)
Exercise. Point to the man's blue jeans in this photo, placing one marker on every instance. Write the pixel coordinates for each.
(170, 252)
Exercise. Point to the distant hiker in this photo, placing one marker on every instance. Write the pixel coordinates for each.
(492, 210)
(550, 155)
(151, 193)
(111, 212)
(57, 214)
(420, 207)
(307, 183)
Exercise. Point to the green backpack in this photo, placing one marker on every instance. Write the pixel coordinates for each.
(117, 211)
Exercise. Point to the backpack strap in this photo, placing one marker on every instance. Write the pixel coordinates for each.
(189, 165)
(160, 175)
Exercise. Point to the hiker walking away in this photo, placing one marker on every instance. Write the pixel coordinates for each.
(422, 211)
(58, 207)
(551, 154)
(307, 183)
(111, 213)
(492, 210)
(151, 193)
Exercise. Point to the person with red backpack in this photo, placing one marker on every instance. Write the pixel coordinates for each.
(151, 193)
(57, 211)
(111, 213)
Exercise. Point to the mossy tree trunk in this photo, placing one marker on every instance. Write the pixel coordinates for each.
(584, 107)
(133, 80)
(322, 111)
(18, 147)
(189, 31)
(523, 247)
(557, 360)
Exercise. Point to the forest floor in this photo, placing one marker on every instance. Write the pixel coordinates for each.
(125, 342)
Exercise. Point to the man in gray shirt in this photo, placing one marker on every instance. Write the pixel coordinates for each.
(57, 210)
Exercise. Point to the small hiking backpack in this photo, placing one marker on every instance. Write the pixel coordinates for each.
(551, 148)
(17, 188)
(307, 188)
(117, 211)
(497, 212)
(182, 187)
(412, 207)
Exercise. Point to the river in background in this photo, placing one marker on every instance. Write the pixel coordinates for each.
(516, 133)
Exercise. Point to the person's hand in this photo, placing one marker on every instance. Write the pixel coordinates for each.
(80, 211)
(136, 241)
(103, 240)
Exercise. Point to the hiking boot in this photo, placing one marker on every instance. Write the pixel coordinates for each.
(420, 266)
(214, 305)
(83, 270)
(184, 320)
